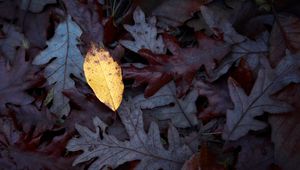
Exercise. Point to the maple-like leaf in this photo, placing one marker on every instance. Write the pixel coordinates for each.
(180, 67)
(144, 34)
(67, 60)
(16, 78)
(12, 40)
(166, 105)
(220, 26)
(35, 5)
(241, 119)
(146, 147)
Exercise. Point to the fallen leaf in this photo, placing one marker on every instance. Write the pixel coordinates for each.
(218, 100)
(285, 130)
(67, 60)
(250, 50)
(175, 12)
(241, 119)
(165, 105)
(13, 39)
(35, 5)
(180, 67)
(221, 26)
(144, 34)
(85, 108)
(285, 35)
(35, 28)
(18, 152)
(146, 147)
(104, 76)
(88, 18)
(16, 78)
(256, 153)
(32, 121)
(203, 160)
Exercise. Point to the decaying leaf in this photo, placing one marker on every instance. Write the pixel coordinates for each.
(104, 76)
(67, 60)
(146, 147)
(144, 34)
(241, 119)
(165, 105)
(181, 67)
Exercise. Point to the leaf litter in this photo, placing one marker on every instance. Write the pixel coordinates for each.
(204, 87)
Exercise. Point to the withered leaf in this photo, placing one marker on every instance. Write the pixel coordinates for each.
(241, 119)
(146, 147)
(67, 60)
(144, 34)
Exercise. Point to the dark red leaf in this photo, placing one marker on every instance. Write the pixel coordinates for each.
(180, 67)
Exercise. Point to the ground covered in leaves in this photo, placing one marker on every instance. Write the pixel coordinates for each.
(209, 84)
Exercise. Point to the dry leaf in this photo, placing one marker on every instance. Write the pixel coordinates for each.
(241, 119)
(108, 150)
(144, 34)
(104, 76)
(65, 59)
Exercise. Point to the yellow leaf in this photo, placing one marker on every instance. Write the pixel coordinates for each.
(104, 76)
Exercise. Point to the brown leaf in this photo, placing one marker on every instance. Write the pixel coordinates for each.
(285, 35)
(87, 16)
(85, 108)
(285, 131)
(203, 160)
(31, 120)
(17, 78)
(256, 153)
(218, 99)
(180, 67)
(168, 13)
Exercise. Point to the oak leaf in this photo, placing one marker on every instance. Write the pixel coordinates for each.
(16, 78)
(144, 34)
(146, 147)
(67, 60)
(241, 119)
(166, 105)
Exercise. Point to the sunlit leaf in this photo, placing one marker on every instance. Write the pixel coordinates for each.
(104, 76)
